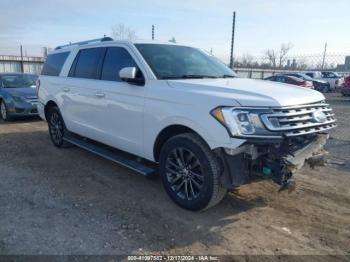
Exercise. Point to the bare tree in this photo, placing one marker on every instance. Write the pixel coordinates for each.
(247, 60)
(271, 56)
(122, 32)
(281, 55)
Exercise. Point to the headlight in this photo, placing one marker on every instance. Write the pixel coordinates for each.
(243, 122)
(18, 98)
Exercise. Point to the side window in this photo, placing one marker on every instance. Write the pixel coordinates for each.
(87, 63)
(326, 75)
(54, 63)
(280, 79)
(116, 58)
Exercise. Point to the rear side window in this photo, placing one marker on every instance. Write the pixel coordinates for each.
(87, 63)
(54, 64)
(310, 74)
(116, 58)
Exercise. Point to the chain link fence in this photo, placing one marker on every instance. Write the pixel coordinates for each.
(246, 66)
(260, 67)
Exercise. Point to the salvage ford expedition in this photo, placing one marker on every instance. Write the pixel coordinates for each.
(175, 110)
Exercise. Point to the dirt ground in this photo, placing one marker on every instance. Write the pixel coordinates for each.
(69, 201)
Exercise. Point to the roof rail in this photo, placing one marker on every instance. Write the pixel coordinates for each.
(103, 39)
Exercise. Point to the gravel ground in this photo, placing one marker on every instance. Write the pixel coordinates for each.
(69, 201)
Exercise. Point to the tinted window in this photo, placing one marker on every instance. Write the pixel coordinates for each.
(280, 79)
(116, 58)
(310, 74)
(88, 61)
(54, 64)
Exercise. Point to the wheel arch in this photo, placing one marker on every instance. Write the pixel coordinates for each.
(49, 105)
(166, 133)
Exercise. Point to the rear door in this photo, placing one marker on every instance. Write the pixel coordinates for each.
(330, 78)
(79, 93)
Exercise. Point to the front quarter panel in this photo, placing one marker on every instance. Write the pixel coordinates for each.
(166, 106)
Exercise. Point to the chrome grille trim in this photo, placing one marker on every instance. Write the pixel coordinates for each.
(31, 99)
(299, 120)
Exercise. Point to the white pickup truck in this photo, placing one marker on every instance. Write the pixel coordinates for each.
(173, 110)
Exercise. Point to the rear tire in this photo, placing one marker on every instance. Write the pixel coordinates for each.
(326, 89)
(57, 128)
(190, 172)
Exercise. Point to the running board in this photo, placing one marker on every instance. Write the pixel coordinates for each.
(110, 154)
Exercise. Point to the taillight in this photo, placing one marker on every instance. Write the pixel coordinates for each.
(337, 81)
(302, 83)
(305, 84)
(347, 81)
(37, 85)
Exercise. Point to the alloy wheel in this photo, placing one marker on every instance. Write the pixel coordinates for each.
(184, 173)
(3, 111)
(56, 128)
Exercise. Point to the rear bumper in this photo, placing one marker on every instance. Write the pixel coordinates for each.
(271, 160)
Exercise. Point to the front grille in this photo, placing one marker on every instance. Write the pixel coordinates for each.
(32, 99)
(300, 120)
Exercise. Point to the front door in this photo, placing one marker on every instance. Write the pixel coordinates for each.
(118, 107)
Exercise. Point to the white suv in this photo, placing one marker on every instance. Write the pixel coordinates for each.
(172, 109)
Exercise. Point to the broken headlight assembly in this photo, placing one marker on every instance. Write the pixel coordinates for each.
(243, 122)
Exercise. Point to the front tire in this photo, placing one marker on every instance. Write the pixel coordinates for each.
(3, 112)
(326, 89)
(57, 128)
(190, 172)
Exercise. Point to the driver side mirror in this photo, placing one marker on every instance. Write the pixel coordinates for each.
(129, 74)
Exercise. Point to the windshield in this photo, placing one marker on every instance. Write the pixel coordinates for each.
(182, 62)
(16, 81)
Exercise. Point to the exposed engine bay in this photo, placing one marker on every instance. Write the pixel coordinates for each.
(269, 159)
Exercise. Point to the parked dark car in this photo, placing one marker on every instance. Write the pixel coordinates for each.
(291, 80)
(319, 85)
(346, 90)
(17, 95)
(347, 81)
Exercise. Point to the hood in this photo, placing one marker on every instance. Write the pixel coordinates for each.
(249, 92)
(25, 92)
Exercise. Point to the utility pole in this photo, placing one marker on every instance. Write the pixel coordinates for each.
(22, 67)
(152, 32)
(324, 56)
(233, 38)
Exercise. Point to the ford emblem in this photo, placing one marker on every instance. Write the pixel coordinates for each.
(319, 117)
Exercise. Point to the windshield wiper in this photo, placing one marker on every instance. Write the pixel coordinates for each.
(228, 76)
(198, 76)
(188, 77)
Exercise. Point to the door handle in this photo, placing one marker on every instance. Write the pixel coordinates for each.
(100, 95)
(66, 89)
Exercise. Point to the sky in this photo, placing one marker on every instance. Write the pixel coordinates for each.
(260, 24)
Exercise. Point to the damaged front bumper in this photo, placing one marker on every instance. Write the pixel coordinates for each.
(275, 160)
